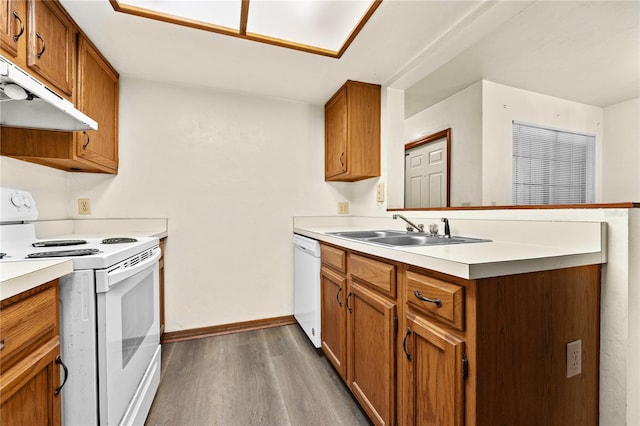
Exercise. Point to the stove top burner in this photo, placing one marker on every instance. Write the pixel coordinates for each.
(58, 243)
(118, 240)
(63, 253)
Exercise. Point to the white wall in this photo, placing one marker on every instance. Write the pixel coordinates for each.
(462, 112)
(48, 186)
(481, 119)
(621, 152)
(229, 172)
(501, 105)
(393, 141)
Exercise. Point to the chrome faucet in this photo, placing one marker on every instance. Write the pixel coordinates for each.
(410, 225)
(447, 231)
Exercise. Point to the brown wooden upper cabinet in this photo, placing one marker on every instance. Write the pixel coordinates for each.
(51, 44)
(98, 92)
(352, 133)
(95, 92)
(13, 16)
(40, 37)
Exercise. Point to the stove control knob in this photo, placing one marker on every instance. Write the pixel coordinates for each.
(27, 202)
(17, 200)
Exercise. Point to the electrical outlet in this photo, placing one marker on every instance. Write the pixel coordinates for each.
(84, 207)
(574, 358)
(380, 193)
(343, 207)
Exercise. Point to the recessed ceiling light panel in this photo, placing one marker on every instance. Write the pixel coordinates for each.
(219, 13)
(325, 27)
(319, 23)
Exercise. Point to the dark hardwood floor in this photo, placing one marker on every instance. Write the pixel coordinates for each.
(267, 377)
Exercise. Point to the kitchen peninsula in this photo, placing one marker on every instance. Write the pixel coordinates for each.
(474, 334)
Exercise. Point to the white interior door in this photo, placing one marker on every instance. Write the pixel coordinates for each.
(426, 175)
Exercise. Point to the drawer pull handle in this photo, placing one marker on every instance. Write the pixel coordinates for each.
(349, 307)
(86, 144)
(404, 343)
(1, 344)
(66, 375)
(338, 296)
(438, 302)
(44, 45)
(17, 36)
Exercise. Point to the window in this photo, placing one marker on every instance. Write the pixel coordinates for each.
(552, 166)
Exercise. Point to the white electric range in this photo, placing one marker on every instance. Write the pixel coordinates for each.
(109, 315)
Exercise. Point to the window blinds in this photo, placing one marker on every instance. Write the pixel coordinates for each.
(552, 166)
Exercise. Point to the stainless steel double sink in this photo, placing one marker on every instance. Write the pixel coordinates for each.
(393, 238)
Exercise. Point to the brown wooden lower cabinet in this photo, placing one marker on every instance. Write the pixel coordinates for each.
(30, 358)
(333, 292)
(468, 352)
(359, 323)
(371, 336)
(434, 374)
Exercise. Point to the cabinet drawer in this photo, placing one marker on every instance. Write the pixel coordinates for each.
(26, 324)
(380, 275)
(436, 298)
(334, 257)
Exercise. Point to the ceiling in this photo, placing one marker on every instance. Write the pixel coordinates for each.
(582, 51)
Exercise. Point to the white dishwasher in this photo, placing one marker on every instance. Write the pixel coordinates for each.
(306, 278)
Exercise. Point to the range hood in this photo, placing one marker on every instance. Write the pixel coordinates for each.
(26, 102)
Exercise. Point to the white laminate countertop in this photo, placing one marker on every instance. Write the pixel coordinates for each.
(468, 261)
(102, 228)
(16, 277)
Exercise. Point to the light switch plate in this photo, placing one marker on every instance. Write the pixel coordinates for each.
(380, 192)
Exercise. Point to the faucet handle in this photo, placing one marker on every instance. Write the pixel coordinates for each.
(447, 230)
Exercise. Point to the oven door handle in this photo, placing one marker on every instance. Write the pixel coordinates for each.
(123, 272)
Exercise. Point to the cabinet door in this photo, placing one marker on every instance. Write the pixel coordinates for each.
(371, 352)
(12, 26)
(352, 133)
(51, 44)
(27, 390)
(333, 318)
(335, 129)
(434, 376)
(97, 96)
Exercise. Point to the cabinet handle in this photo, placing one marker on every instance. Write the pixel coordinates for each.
(404, 343)
(341, 157)
(349, 307)
(338, 296)
(44, 45)
(66, 375)
(438, 302)
(1, 344)
(86, 144)
(17, 36)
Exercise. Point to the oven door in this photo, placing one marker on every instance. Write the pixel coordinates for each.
(128, 334)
